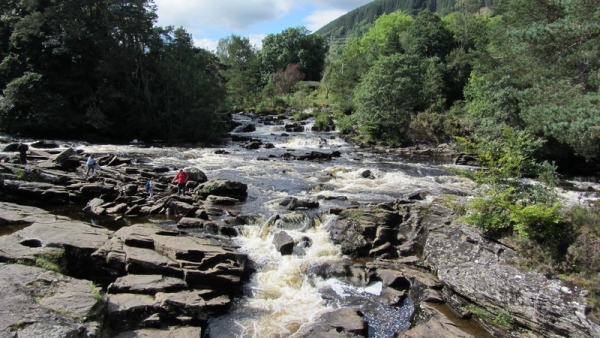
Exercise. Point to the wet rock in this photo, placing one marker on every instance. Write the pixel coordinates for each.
(64, 156)
(437, 326)
(284, 243)
(221, 200)
(190, 223)
(293, 203)
(345, 322)
(117, 209)
(36, 191)
(129, 189)
(254, 144)
(62, 240)
(466, 159)
(314, 156)
(195, 174)
(432, 296)
(222, 187)
(44, 145)
(95, 206)
(294, 127)
(182, 208)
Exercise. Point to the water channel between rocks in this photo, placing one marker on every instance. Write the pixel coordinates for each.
(281, 298)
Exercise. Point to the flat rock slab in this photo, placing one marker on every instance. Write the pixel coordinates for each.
(14, 214)
(42, 303)
(37, 238)
(147, 284)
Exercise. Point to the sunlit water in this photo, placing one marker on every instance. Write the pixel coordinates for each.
(281, 299)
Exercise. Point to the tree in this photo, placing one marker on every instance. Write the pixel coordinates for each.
(191, 91)
(387, 96)
(429, 37)
(543, 73)
(242, 69)
(386, 35)
(345, 74)
(286, 80)
(293, 46)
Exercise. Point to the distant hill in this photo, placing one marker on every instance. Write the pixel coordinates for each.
(357, 22)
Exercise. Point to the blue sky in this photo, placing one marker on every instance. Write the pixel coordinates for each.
(211, 20)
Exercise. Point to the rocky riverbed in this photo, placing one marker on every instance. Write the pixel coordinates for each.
(62, 277)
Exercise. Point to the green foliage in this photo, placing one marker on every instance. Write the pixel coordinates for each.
(538, 72)
(502, 318)
(584, 253)
(323, 121)
(359, 21)
(293, 46)
(345, 123)
(51, 259)
(242, 71)
(301, 116)
(387, 96)
(385, 37)
(429, 37)
(508, 204)
(435, 127)
(28, 174)
(102, 68)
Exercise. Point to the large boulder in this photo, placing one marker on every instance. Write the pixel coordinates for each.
(478, 268)
(384, 230)
(196, 175)
(222, 187)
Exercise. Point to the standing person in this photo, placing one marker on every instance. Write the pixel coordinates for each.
(91, 165)
(22, 148)
(149, 187)
(181, 179)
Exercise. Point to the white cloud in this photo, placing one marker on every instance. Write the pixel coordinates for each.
(256, 40)
(320, 18)
(208, 44)
(220, 13)
(345, 5)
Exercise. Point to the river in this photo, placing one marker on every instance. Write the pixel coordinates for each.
(282, 299)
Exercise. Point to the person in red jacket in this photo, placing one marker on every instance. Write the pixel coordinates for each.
(181, 178)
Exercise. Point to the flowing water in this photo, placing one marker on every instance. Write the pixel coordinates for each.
(281, 299)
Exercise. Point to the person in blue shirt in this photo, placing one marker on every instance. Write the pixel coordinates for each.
(91, 165)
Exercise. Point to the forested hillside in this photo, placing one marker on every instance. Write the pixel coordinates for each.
(357, 22)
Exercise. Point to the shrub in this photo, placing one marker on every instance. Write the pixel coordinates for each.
(323, 121)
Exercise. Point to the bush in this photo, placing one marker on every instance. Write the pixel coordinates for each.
(323, 121)
(345, 124)
(584, 253)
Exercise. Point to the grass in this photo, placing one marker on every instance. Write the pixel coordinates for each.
(502, 318)
(52, 259)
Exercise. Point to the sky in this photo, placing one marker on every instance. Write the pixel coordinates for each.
(210, 20)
